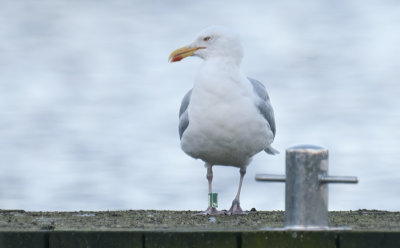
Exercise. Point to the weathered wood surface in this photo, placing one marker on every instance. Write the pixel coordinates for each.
(154, 220)
(151, 228)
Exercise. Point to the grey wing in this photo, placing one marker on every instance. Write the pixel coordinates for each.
(265, 108)
(183, 113)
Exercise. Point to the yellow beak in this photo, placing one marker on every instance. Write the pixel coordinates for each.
(182, 53)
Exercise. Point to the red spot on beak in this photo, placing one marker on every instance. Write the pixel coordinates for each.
(177, 58)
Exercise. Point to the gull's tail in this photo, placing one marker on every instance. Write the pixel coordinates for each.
(271, 150)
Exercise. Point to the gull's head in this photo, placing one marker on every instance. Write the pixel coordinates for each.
(212, 42)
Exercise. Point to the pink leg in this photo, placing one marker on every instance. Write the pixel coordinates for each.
(235, 208)
(210, 210)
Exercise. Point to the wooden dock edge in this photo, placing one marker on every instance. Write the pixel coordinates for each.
(201, 239)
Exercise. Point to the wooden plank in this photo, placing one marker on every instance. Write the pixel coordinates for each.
(22, 239)
(289, 239)
(220, 239)
(98, 239)
(369, 240)
(191, 239)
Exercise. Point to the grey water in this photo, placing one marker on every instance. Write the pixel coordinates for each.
(89, 102)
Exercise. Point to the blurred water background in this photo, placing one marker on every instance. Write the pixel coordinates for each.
(89, 103)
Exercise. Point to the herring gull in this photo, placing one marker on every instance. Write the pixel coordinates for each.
(226, 118)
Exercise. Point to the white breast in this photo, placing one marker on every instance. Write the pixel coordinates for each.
(225, 126)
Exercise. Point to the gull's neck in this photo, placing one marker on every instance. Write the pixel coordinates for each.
(220, 66)
(218, 74)
(223, 60)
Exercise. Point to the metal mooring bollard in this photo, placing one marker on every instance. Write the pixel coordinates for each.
(306, 201)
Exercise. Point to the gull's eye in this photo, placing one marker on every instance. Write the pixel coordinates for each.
(207, 38)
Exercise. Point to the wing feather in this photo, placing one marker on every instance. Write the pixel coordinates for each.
(183, 113)
(266, 110)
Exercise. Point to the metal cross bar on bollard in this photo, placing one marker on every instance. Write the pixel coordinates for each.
(306, 191)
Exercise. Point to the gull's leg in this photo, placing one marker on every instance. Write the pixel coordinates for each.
(210, 210)
(235, 208)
